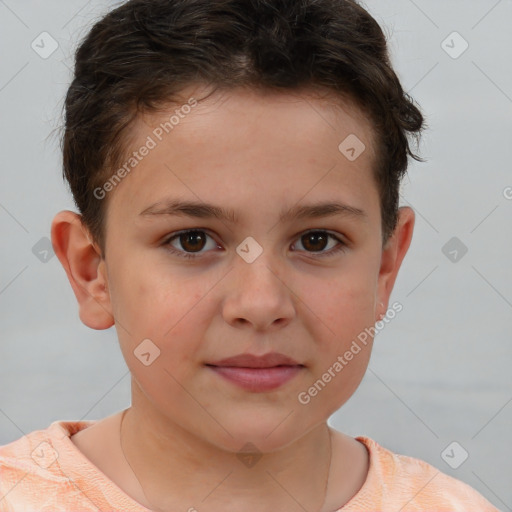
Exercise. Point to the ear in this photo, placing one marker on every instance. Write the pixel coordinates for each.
(392, 255)
(85, 268)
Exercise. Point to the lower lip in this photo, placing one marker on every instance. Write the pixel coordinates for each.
(257, 379)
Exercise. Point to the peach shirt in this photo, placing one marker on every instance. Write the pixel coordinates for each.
(45, 471)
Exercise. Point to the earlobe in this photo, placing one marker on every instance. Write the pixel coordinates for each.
(85, 268)
(393, 254)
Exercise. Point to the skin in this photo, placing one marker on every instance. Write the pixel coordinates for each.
(257, 153)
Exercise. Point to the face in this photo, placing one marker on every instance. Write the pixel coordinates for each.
(258, 280)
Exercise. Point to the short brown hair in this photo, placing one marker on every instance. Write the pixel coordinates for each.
(139, 56)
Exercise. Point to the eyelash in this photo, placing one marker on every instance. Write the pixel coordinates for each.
(340, 248)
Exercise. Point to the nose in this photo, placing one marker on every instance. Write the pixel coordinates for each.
(258, 295)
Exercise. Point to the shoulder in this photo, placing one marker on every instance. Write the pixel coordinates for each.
(412, 485)
(30, 470)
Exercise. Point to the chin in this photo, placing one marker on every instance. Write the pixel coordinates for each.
(254, 433)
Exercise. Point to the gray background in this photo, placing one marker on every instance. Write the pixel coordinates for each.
(440, 371)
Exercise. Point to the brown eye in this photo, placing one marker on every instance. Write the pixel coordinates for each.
(189, 243)
(192, 240)
(315, 240)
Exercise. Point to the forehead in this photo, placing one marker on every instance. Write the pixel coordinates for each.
(306, 113)
(246, 138)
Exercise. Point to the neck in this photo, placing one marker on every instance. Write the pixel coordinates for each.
(176, 471)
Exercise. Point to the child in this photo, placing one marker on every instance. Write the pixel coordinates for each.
(259, 128)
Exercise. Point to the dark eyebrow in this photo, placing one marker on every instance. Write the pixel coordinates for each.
(204, 210)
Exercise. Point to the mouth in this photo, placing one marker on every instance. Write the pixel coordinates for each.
(257, 373)
(270, 360)
(257, 379)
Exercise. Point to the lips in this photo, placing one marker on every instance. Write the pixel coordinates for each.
(257, 374)
(269, 360)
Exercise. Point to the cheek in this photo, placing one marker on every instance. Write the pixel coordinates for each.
(163, 308)
(349, 338)
(150, 300)
(345, 304)
(342, 354)
(156, 310)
